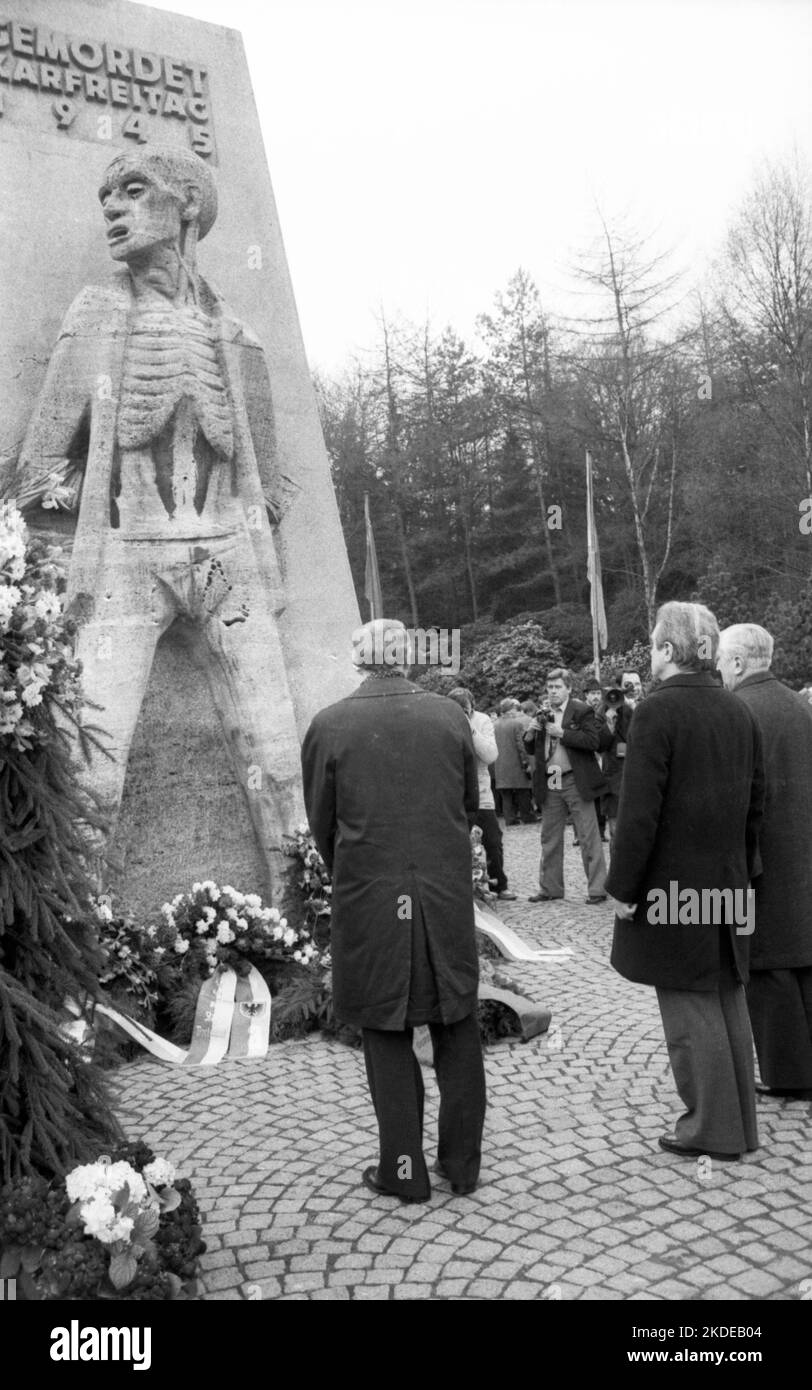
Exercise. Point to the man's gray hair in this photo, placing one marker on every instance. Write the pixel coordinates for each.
(693, 633)
(750, 642)
(562, 673)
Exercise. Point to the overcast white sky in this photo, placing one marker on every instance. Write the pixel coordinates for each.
(422, 150)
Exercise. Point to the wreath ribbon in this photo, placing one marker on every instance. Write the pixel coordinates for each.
(232, 1020)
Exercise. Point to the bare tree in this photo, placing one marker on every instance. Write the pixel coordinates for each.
(766, 303)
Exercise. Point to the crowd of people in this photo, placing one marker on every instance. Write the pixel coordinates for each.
(703, 784)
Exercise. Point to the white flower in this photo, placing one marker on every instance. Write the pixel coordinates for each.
(273, 914)
(32, 695)
(232, 914)
(224, 934)
(159, 1173)
(289, 937)
(47, 605)
(197, 887)
(253, 900)
(297, 955)
(277, 933)
(10, 596)
(104, 913)
(241, 924)
(210, 914)
(201, 926)
(98, 1215)
(82, 1183)
(121, 1229)
(181, 946)
(118, 1174)
(10, 716)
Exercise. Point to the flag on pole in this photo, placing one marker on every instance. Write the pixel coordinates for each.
(372, 579)
(593, 566)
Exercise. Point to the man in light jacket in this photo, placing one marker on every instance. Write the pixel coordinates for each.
(484, 740)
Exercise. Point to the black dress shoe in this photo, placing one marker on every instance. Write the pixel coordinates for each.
(672, 1146)
(785, 1092)
(507, 897)
(370, 1179)
(459, 1189)
(543, 898)
(594, 900)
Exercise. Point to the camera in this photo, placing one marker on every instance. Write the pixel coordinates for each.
(547, 715)
(615, 695)
(629, 687)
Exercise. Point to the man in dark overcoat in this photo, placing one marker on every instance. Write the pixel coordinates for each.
(389, 777)
(779, 993)
(511, 768)
(685, 848)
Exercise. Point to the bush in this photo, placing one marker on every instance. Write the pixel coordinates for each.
(570, 627)
(513, 660)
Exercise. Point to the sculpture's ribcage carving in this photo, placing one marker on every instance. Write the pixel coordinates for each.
(171, 356)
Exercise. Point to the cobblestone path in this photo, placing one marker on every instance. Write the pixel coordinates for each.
(576, 1199)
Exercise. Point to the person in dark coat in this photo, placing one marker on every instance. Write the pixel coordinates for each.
(686, 846)
(389, 777)
(779, 994)
(566, 780)
(512, 770)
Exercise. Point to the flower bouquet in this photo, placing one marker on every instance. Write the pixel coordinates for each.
(122, 1227)
(36, 642)
(213, 929)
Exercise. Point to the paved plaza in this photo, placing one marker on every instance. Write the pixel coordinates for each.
(576, 1199)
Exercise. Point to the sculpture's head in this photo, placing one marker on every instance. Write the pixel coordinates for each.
(150, 196)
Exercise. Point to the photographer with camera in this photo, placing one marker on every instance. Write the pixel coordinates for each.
(565, 737)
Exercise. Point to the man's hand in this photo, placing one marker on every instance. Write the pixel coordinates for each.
(625, 911)
(554, 730)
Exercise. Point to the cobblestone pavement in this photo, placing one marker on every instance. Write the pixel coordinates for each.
(576, 1199)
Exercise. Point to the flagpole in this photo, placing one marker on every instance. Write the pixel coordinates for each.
(372, 578)
(590, 540)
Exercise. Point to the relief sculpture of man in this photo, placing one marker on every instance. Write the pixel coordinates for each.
(164, 399)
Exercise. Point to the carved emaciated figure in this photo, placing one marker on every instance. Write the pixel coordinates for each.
(164, 397)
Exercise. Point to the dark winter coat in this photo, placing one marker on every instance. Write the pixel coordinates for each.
(690, 811)
(389, 776)
(783, 935)
(582, 737)
(510, 768)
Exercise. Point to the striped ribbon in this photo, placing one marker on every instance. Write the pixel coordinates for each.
(232, 1019)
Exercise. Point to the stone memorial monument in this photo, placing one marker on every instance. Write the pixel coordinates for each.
(170, 423)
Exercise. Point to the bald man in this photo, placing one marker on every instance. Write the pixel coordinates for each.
(779, 993)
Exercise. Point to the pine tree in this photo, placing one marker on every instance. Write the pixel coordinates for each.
(53, 1109)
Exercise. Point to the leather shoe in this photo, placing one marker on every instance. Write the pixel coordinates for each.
(543, 898)
(593, 901)
(459, 1189)
(370, 1179)
(507, 897)
(785, 1092)
(672, 1146)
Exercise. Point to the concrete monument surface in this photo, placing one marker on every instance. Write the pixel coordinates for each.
(208, 570)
